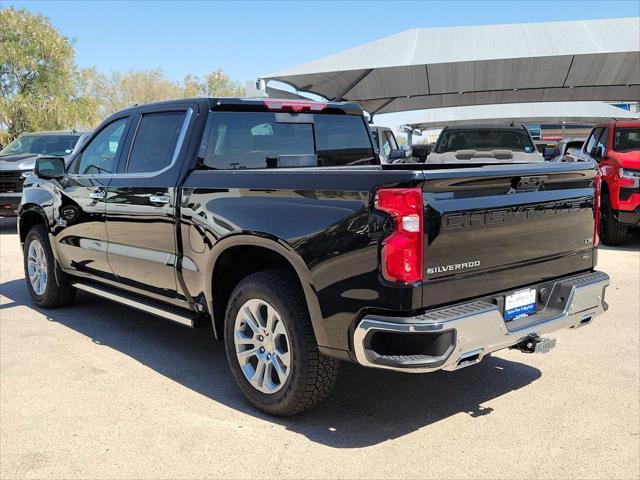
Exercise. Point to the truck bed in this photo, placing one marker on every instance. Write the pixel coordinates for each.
(512, 225)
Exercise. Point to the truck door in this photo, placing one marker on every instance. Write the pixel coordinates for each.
(80, 232)
(141, 202)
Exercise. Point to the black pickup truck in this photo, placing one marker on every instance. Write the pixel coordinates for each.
(273, 222)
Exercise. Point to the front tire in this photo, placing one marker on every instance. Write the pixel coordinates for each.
(39, 271)
(271, 348)
(612, 232)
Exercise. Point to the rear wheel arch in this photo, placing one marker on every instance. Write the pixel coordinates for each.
(241, 257)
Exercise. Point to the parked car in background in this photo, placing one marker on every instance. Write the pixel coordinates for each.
(547, 148)
(421, 151)
(273, 222)
(496, 143)
(387, 144)
(567, 149)
(615, 147)
(18, 158)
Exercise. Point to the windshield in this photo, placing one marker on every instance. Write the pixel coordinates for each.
(484, 140)
(41, 145)
(626, 139)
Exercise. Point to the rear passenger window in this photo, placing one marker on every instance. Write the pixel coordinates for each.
(252, 140)
(155, 142)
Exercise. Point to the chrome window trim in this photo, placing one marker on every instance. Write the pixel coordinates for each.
(74, 156)
(174, 158)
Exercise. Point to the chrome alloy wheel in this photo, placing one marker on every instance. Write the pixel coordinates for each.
(37, 267)
(262, 346)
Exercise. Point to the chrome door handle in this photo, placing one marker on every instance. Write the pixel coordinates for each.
(97, 194)
(159, 199)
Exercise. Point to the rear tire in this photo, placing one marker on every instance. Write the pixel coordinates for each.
(612, 232)
(39, 271)
(282, 372)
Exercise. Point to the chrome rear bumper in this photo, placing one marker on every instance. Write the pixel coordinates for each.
(462, 334)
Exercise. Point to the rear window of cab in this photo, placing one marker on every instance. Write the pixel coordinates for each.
(255, 140)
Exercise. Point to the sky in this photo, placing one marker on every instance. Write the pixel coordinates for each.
(249, 39)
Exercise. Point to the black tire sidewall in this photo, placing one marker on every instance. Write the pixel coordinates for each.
(36, 233)
(54, 295)
(612, 232)
(285, 399)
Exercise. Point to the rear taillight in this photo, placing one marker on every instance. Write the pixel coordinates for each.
(596, 209)
(402, 250)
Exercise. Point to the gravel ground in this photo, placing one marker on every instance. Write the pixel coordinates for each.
(98, 390)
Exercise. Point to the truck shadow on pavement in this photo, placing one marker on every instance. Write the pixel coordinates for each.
(367, 406)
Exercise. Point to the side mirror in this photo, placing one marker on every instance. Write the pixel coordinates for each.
(49, 167)
(550, 152)
(398, 155)
(596, 153)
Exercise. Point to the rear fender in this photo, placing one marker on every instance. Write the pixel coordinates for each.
(280, 247)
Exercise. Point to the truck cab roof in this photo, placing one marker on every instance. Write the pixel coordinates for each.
(55, 132)
(261, 104)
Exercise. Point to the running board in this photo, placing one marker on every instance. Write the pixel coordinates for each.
(155, 308)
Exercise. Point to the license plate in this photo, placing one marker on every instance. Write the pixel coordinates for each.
(520, 304)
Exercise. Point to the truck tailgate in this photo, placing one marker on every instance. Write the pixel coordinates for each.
(493, 228)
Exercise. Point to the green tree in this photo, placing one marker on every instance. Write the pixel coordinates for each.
(218, 84)
(191, 87)
(38, 78)
(115, 91)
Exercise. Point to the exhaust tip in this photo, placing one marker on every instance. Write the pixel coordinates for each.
(585, 321)
(469, 358)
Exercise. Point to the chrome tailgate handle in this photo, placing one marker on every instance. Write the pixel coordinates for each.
(159, 199)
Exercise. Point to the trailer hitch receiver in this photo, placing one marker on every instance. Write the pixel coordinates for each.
(535, 344)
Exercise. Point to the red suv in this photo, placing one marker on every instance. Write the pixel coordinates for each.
(615, 146)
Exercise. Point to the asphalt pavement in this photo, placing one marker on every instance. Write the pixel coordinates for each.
(98, 390)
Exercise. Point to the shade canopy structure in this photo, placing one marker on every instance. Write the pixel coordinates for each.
(454, 66)
(581, 113)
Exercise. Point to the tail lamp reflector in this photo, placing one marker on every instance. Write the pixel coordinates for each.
(402, 250)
